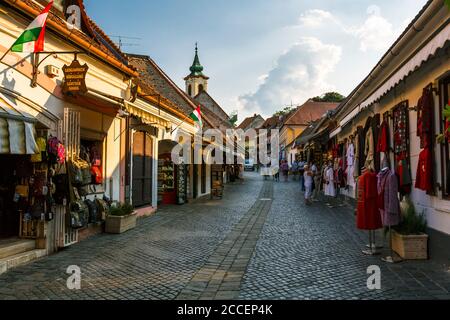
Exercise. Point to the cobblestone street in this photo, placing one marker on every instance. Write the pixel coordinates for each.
(259, 242)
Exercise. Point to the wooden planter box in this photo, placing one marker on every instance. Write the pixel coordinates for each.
(413, 247)
(117, 225)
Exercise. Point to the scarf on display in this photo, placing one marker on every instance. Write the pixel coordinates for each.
(401, 147)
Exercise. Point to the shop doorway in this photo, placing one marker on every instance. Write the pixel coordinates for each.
(12, 171)
(142, 169)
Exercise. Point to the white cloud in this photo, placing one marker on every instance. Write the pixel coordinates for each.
(316, 18)
(306, 69)
(376, 33)
(299, 74)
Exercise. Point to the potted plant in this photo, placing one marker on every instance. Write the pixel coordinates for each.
(121, 218)
(409, 238)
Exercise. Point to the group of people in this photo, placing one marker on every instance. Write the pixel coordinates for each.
(311, 178)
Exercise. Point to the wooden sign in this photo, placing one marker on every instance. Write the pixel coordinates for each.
(75, 78)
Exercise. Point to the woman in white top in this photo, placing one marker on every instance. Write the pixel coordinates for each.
(308, 178)
(330, 189)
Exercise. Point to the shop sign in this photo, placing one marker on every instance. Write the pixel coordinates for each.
(75, 78)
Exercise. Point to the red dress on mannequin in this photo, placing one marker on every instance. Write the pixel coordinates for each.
(368, 215)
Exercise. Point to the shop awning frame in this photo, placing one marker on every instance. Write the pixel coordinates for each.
(17, 129)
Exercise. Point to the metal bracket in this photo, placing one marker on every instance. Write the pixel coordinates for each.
(36, 62)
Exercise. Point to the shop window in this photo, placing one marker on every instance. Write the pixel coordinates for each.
(445, 172)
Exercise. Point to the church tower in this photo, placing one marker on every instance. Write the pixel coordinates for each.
(196, 81)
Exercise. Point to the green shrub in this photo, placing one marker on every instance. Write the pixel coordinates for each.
(412, 223)
(121, 209)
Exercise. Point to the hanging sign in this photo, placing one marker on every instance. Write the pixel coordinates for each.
(75, 78)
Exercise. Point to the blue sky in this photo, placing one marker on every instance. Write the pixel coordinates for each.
(261, 54)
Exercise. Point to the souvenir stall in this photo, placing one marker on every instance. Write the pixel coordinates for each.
(182, 183)
(29, 157)
(167, 193)
(217, 184)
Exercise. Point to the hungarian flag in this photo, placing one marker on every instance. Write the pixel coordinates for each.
(197, 116)
(32, 39)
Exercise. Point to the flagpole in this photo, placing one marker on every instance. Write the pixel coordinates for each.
(180, 124)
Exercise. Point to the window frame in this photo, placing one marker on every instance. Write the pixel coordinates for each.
(444, 86)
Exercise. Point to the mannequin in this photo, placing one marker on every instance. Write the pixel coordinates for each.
(350, 163)
(368, 216)
(388, 203)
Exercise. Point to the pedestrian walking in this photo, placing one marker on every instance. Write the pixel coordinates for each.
(301, 172)
(317, 180)
(276, 173)
(285, 170)
(330, 189)
(294, 169)
(308, 178)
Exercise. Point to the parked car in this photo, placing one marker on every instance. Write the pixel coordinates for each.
(249, 165)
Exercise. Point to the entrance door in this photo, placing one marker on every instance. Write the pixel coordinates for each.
(9, 216)
(142, 169)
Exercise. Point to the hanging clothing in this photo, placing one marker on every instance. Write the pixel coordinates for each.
(350, 164)
(375, 134)
(369, 150)
(330, 189)
(401, 147)
(425, 108)
(368, 215)
(359, 151)
(388, 202)
(356, 171)
(424, 177)
(383, 138)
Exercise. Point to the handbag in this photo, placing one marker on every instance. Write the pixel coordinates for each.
(79, 214)
(97, 177)
(93, 210)
(22, 190)
(81, 173)
(103, 209)
(62, 188)
(40, 182)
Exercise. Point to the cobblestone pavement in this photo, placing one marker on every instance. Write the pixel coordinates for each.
(316, 253)
(259, 242)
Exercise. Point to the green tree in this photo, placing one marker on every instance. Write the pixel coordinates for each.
(330, 97)
(284, 112)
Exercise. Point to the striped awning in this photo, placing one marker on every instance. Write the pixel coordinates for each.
(146, 116)
(17, 131)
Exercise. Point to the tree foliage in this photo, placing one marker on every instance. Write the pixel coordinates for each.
(284, 112)
(330, 97)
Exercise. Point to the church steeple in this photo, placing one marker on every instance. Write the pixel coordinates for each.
(196, 81)
(196, 68)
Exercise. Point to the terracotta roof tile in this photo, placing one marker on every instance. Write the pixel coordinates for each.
(155, 81)
(309, 112)
(96, 37)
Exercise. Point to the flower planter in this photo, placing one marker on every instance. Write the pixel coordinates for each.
(413, 247)
(120, 224)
